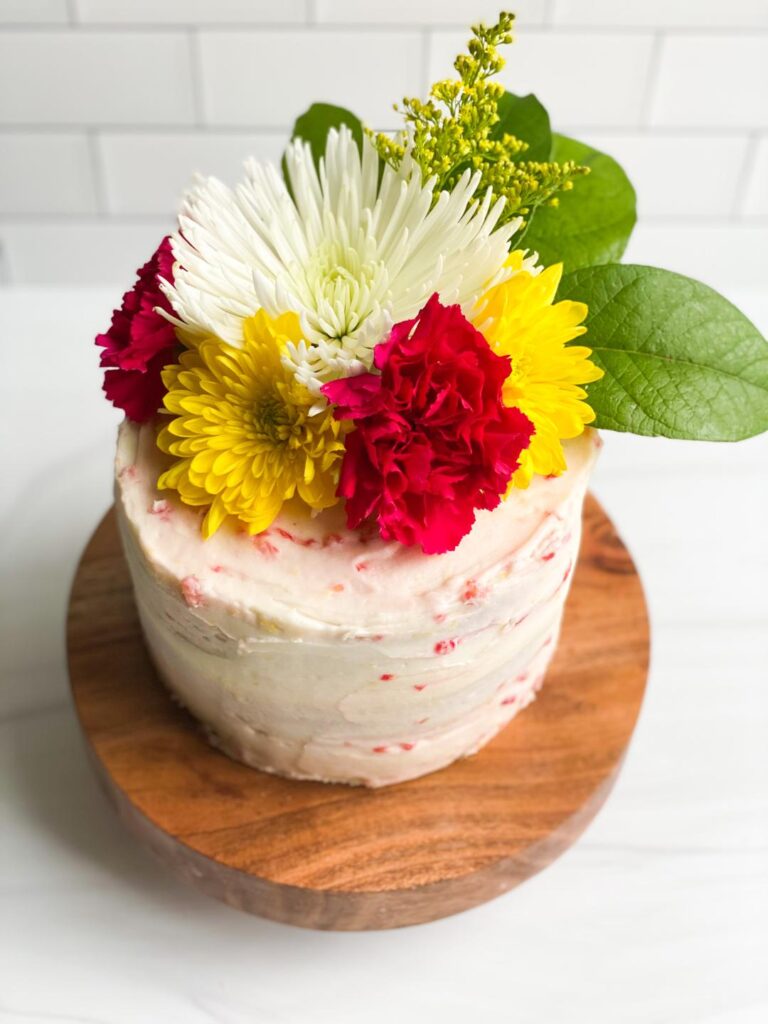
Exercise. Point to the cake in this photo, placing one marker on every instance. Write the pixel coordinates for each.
(359, 426)
(318, 652)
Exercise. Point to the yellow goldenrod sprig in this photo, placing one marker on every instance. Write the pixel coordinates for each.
(455, 130)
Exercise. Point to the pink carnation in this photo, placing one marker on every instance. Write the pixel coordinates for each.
(433, 439)
(140, 342)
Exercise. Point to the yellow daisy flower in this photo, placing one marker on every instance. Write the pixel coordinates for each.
(243, 431)
(520, 320)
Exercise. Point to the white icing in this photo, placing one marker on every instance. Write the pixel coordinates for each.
(279, 643)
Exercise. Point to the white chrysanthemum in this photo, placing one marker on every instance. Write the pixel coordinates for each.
(351, 254)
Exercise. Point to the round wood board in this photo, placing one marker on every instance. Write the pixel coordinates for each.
(341, 857)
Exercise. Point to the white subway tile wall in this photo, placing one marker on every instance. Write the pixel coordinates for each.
(661, 169)
(34, 12)
(46, 174)
(108, 108)
(95, 78)
(756, 192)
(267, 77)
(593, 78)
(145, 172)
(683, 14)
(76, 251)
(714, 80)
(428, 13)
(189, 12)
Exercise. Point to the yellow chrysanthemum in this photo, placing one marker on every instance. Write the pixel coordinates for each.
(520, 320)
(243, 432)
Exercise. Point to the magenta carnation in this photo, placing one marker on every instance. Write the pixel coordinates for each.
(433, 439)
(140, 342)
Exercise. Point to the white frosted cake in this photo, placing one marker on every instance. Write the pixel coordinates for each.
(360, 418)
(323, 653)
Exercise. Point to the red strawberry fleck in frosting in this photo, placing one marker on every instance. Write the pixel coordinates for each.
(192, 592)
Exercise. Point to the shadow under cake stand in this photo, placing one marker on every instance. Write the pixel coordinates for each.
(341, 857)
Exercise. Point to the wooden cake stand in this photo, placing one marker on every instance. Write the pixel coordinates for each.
(331, 856)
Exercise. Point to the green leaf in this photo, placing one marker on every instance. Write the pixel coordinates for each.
(315, 123)
(592, 222)
(526, 118)
(679, 359)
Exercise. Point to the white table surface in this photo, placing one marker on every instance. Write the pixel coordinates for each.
(658, 914)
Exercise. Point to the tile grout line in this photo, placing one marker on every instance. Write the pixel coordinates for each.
(713, 132)
(744, 180)
(651, 81)
(168, 128)
(679, 221)
(682, 132)
(426, 57)
(196, 77)
(362, 27)
(662, 131)
(92, 137)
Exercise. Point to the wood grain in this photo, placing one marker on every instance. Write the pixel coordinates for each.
(337, 857)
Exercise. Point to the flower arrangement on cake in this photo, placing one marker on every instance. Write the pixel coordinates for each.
(360, 422)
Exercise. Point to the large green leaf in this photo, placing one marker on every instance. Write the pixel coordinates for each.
(525, 118)
(679, 359)
(314, 124)
(592, 222)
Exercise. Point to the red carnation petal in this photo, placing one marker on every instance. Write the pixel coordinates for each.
(140, 342)
(139, 393)
(434, 441)
(354, 400)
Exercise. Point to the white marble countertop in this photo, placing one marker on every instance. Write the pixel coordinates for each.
(659, 914)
